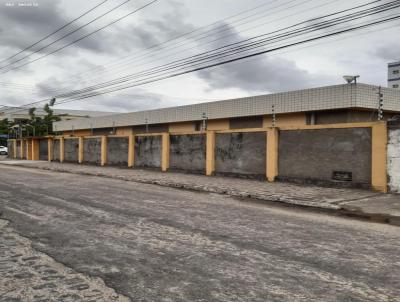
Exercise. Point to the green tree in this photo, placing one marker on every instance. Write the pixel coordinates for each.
(42, 126)
(5, 126)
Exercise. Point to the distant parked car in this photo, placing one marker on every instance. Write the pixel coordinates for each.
(3, 150)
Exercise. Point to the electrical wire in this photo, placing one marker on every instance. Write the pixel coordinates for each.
(241, 49)
(56, 31)
(80, 39)
(198, 57)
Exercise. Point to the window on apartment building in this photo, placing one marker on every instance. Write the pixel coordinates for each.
(395, 86)
(397, 71)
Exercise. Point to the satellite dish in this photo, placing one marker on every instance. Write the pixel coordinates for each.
(350, 79)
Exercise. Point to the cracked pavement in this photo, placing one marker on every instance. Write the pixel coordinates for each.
(153, 243)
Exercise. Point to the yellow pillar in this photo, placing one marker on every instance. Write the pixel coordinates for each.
(379, 153)
(272, 154)
(165, 152)
(103, 150)
(15, 151)
(28, 149)
(62, 146)
(50, 149)
(21, 148)
(131, 151)
(210, 153)
(35, 149)
(80, 150)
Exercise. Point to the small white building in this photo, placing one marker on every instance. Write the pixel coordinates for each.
(394, 75)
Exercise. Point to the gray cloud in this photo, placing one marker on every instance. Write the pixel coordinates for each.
(126, 102)
(152, 30)
(389, 52)
(262, 73)
(30, 24)
(20, 27)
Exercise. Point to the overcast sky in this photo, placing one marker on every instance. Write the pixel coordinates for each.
(121, 49)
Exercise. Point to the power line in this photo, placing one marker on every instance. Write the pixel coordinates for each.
(198, 57)
(68, 34)
(79, 94)
(270, 10)
(81, 38)
(269, 22)
(235, 59)
(56, 31)
(193, 38)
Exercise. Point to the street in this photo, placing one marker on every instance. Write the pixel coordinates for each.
(152, 243)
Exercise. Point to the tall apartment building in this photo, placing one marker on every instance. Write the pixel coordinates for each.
(394, 75)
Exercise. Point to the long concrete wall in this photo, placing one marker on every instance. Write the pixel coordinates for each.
(43, 149)
(92, 151)
(326, 156)
(188, 153)
(56, 150)
(117, 151)
(340, 154)
(241, 154)
(393, 159)
(71, 150)
(148, 151)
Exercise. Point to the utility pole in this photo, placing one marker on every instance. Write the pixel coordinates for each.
(380, 105)
(204, 119)
(273, 116)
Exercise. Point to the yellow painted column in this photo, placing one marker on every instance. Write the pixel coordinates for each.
(165, 152)
(49, 149)
(21, 148)
(62, 147)
(103, 150)
(28, 149)
(15, 151)
(80, 150)
(210, 153)
(379, 153)
(272, 153)
(131, 151)
(35, 149)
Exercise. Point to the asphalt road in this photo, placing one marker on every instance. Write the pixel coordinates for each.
(152, 243)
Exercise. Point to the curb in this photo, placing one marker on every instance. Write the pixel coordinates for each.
(373, 217)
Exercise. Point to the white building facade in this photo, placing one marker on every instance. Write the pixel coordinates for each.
(394, 75)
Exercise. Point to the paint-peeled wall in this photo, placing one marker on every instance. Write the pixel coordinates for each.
(148, 151)
(241, 154)
(92, 151)
(326, 156)
(117, 151)
(71, 150)
(56, 150)
(393, 160)
(188, 153)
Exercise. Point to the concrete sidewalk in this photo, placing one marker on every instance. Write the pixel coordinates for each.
(354, 202)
